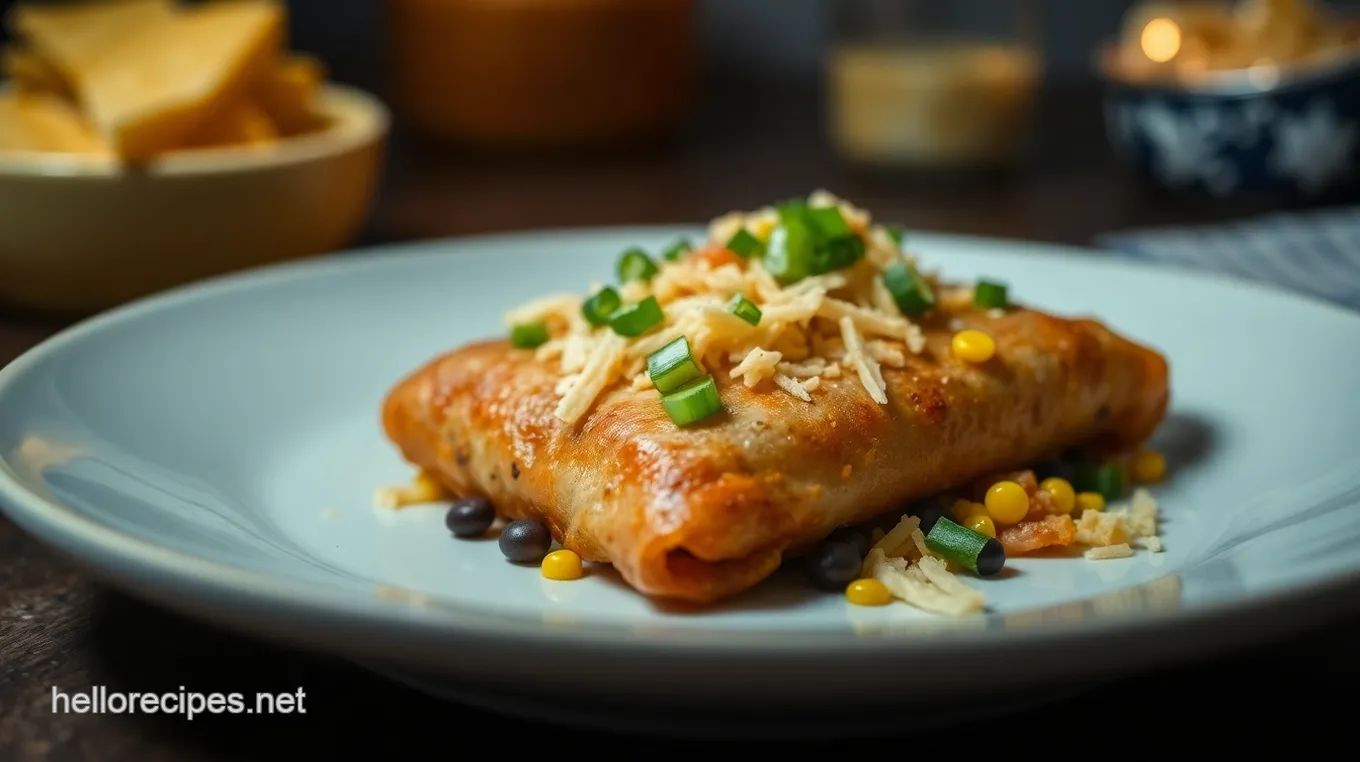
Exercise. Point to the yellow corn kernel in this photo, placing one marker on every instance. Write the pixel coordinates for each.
(974, 346)
(982, 524)
(428, 487)
(562, 565)
(1148, 467)
(422, 489)
(1090, 501)
(867, 592)
(963, 510)
(1061, 493)
(1007, 503)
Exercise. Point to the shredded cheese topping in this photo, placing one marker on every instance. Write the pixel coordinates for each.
(920, 577)
(1113, 533)
(916, 575)
(423, 489)
(1106, 552)
(819, 328)
(1121, 525)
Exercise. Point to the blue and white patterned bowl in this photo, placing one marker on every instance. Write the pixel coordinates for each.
(1252, 132)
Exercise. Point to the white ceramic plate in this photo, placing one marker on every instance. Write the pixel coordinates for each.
(216, 450)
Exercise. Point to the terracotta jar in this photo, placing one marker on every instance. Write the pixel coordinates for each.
(541, 72)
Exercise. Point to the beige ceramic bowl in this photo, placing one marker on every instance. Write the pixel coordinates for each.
(81, 235)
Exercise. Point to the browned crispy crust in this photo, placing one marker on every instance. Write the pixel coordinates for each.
(705, 512)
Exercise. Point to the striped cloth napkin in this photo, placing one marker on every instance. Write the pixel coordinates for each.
(1317, 253)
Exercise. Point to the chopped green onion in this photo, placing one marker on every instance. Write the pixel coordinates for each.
(744, 245)
(677, 250)
(528, 335)
(1110, 482)
(599, 307)
(692, 402)
(895, 233)
(637, 319)
(743, 308)
(834, 246)
(789, 256)
(911, 291)
(634, 264)
(837, 254)
(827, 221)
(974, 551)
(1107, 479)
(989, 294)
(672, 366)
(793, 210)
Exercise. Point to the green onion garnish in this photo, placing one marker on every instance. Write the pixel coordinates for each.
(828, 222)
(1107, 479)
(895, 233)
(837, 254)
(833, 245)
(974, 551)
(528, 335)
(677, 250)
(634, 264)
(744, 245)
(599, 307)
(637, 319)
(743, 308)
(795, 210)
(989, 294)
(909, 289)
(692, 402)
(1110, 482)
(672, 366)
(789, 256)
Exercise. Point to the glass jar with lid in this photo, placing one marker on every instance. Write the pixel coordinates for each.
(924, 83)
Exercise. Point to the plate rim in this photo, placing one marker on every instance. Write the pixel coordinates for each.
(117, 557)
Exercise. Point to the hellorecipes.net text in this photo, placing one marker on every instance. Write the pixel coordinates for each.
(189, 704)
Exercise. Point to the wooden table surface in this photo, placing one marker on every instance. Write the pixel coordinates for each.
(60, 630)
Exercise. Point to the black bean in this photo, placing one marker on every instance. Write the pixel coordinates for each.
(991, 558)
(929, 512)
(1075, 454)
(1067, 470)
(525, 541)
(852, 537)
(833, 565)
(470, 517)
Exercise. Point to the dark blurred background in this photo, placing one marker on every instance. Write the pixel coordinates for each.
(776, 39)
(553, 113)
(779, 40)
(783, 40)
(759, 70)
(518, 114)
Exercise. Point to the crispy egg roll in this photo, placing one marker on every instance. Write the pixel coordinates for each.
(702, 513)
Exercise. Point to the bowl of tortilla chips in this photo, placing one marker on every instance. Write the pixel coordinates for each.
(145, 144)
